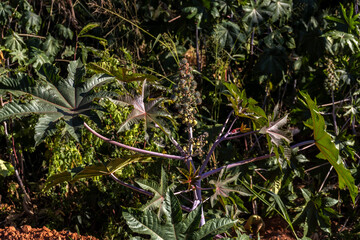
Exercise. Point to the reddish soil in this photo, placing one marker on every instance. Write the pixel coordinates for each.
(276, 228)
(26, 232)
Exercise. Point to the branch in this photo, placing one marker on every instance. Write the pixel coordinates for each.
(216, 143)
(156, 154)
(131, 186)
(202, 176)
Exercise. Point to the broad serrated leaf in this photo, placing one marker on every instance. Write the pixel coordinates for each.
(32, 22)
(280, 8)
(223, 187)
(99, 169)
(328, 150)
(64, 31)
(255, 11)
(227, 34)
(159, 190)
(173, 225)
(51, 46)
(56, 98)
(14, 42)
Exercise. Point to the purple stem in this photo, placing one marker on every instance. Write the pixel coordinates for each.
(251, 160)
(156, 154)
(131, 186)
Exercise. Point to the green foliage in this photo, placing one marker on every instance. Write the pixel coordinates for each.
(316, 212)
(175, 226)
(159, 190)
(328, 150)
(94, 170)
(55, 98)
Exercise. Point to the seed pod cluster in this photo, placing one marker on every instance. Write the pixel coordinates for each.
(197, 145)
(185, 96)
(331, 83)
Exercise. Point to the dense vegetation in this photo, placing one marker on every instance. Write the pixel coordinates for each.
(180, 119)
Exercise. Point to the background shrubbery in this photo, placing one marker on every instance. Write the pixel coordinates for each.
(266, 60)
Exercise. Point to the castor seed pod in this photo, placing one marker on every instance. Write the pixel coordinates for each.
(174, 97)
(198, 101)
(197, 94)
(183, 61)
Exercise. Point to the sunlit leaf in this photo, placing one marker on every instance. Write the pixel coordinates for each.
(328, 150)
(174, 226)
(99, 169)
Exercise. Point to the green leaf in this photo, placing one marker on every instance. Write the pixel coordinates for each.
(173, 226)
(20, 56)
(56, 98)
(327, 147)
(88, 28)
(255, 11)
(94, 170)
(213, 227)
(149, 111)
(6, 169)
(51, 46)
(227, 34)
(32, 22)
(280, 8)
(14, 41)
(223, 187)
(64, 31)
(159, 191)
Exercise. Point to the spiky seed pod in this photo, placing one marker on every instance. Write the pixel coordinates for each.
(198, 101)
(197, 94)
(174, 97)
(183, 61)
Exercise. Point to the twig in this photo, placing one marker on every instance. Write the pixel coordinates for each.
(313, 168)
(333, 113)
(216, 143)
(175, 18)
(156, 154)
(31, 35)
(150, 194)
(327, 175)
(337, 102)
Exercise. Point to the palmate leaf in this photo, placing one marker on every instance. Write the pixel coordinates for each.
(32, 22)
(55, 98)
(227, 34)
(280, 8)
(20, 56)
(14, 41)
(174, 226)
(150, 112)
(327, 147)
(64, 31)
(255, 11)
(223, 187)
(51, 46)
(275, 132)
(342, 39)
(159, 190)
(99, 169)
